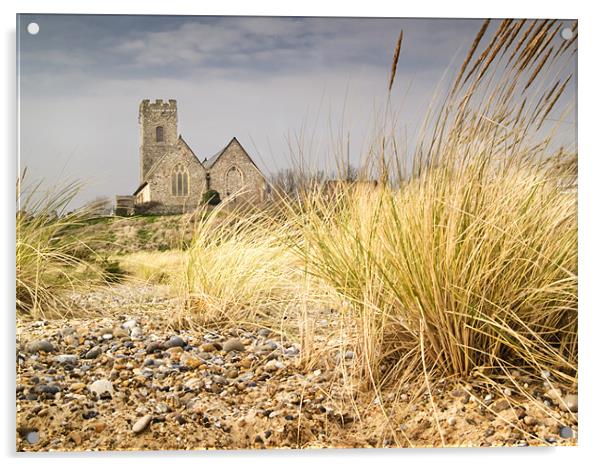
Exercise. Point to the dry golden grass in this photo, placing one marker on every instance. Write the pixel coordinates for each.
(160, 267)
(465, 264)
(238, 270)
(50, 258)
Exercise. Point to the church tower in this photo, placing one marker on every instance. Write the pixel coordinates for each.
(158, 132)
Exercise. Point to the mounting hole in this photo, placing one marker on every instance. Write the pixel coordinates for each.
(566, 33)
(33, 28)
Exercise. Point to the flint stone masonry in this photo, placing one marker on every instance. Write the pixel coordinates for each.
(164, 154)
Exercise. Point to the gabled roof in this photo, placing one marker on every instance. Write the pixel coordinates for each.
(140, 188)
(160, 159)
(208, 163)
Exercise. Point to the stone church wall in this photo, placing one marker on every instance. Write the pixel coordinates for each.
(160, 180)
(253, 183)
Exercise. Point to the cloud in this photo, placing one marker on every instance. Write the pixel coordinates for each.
(281, 42)
(265, 80)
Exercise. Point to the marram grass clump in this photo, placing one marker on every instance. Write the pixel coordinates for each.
(464, 264)
(53, 254)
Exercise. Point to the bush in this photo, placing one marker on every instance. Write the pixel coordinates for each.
(211, 197)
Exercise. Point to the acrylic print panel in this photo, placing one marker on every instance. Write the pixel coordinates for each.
(270, 232)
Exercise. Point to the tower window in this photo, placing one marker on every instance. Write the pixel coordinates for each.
(159, 133)
(179, 181)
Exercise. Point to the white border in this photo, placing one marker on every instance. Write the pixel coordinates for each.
(590, 198)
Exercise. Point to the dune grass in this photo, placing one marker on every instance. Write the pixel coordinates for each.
(464, 263)
(53, 257)
(158, 267)
(239, 271)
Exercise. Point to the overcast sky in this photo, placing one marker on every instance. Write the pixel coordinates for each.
(267, 81)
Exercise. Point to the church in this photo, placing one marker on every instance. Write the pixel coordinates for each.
(174, 180)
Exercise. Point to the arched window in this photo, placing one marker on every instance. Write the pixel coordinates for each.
(179, 181)
(234, 181)
(159, 133)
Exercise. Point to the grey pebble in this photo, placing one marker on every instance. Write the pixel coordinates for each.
(565, 432)
(233, 344)
(32, 437)
(93, 353)
(40, 345)
(175, 341)
(66, 359)
(50, 389)
(155, 346)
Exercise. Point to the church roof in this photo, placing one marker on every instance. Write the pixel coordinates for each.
(140, 188)
(208, 163)
(159, 161)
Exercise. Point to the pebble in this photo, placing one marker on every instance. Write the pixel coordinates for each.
(40, 345)
(555, 395)
(119, 332)
(570, 403)
(101, 388)
(208, 347)
(565, 432)
(67, 331)
(142, 424)
(501, 405)
(66, 359)
(175, 341)
(32, 437)
(76, 437)
(90, 414)
(273, 365)
(190, 361)
(233, 344)
(93, 353)
(178, 386)
(155, 346)
(246, 363)
(99, 427)
(130, 324)
(49, 389)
